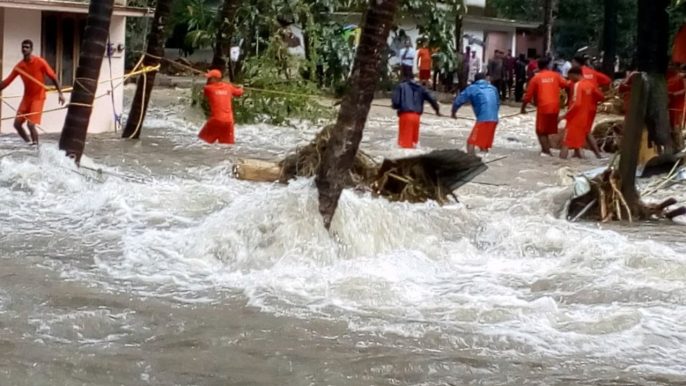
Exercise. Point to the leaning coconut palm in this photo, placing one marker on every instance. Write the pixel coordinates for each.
(73, 138)
(154, 51)
(344, 141)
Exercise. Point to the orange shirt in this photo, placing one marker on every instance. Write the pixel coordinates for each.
(585, 98)
(598, 78)
(34, 86)
(424, 59)
(220, 95)
(545, 87)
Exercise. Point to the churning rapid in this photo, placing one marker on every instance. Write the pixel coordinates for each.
(164, 270)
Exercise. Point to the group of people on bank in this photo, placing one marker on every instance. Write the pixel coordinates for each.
(543, 86)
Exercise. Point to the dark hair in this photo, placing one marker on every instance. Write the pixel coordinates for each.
(27, 42)
(543, 63)
(576, 70)
(581, 59)
(480, 76)
(522, 57)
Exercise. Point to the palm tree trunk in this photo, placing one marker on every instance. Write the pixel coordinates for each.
(225, 29)
(73, 138)
(610, 37)
(344, 142)
(155, 49)
(547, 26)
(648, 106)
(459, 47)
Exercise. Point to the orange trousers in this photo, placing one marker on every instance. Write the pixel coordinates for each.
(408, 135)
(216, 130)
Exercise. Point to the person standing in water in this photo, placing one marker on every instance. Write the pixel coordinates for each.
(220, 126)
(408, 99)
(33, 70)
(485, 101)
(545, 88)
(585, 96)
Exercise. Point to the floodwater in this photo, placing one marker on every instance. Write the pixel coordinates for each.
(164, 270)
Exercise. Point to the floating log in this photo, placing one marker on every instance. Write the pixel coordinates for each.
(257, 170)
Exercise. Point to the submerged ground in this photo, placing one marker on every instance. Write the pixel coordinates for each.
(164, 270)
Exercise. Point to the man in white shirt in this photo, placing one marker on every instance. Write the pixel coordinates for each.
(407, 57)
(474, 66)
(565, 66)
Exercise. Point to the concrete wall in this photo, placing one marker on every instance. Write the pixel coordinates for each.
(20, 24)
(526, 40)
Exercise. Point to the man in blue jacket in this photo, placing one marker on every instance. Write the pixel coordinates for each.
(486, 103)
(408, 100)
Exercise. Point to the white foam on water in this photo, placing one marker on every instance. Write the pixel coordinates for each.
(507, 276)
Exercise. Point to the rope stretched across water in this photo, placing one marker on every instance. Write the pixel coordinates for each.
(134, 72)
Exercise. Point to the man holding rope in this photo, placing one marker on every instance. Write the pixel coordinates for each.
(33, 70)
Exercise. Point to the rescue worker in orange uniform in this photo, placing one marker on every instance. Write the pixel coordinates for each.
(545, 88)
(585, 96)
(676, 88)
(33, 70)
(424, 64)
(220, 126)
(485, 101)
(408, 99)
(600, 80)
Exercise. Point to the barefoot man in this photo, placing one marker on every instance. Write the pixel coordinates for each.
(32, 70)
(545, 88)
(585, 96)
(485, 101)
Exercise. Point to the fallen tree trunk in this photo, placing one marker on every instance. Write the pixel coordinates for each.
(433, 176)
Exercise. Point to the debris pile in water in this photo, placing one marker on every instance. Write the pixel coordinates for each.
(421, 178)
(599, 198)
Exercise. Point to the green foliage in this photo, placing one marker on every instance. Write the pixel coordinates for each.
(578, 23)
(136, 32)
(277, 94)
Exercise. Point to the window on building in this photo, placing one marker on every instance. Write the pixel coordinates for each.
(61, 43)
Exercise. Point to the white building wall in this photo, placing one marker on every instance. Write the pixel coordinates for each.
(20, 24)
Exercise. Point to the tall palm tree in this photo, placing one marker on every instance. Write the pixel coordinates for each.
(155, 49)
(548, 10)
(344, 142)
(648, 105)
(610, 37)
(225, 30)
(73, 138)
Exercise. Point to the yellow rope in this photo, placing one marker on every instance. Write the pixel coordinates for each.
(125, 76)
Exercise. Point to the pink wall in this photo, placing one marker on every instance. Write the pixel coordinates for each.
(526, 40)
(497, 41)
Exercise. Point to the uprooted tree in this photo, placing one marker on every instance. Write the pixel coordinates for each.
(614, 192)
(73, 138)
